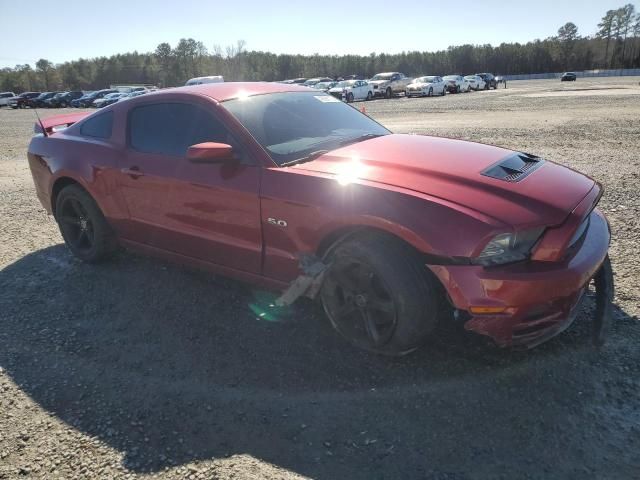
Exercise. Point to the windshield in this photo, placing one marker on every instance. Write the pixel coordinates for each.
(424, 80)
(382, 76)
(291, 126)
(451, 77)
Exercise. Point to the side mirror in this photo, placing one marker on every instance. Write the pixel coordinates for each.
(210, 152)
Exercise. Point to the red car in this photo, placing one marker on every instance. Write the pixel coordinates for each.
(293, 190)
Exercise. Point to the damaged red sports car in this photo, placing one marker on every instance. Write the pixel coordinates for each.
(293, 190)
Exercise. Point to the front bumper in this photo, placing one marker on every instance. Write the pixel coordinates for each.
(541, 298)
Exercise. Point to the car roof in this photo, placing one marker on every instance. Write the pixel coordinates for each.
(229, 90)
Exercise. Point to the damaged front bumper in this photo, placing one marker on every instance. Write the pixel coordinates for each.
(541, 299)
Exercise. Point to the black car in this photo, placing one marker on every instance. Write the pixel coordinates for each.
(489, 80)
(22, 100)
(88, 99)
(39, 101)
(64, 99)
(568, 77)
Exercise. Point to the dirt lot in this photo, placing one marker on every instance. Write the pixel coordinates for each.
(140, 368)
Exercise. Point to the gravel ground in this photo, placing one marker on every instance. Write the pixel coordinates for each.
(141, 368)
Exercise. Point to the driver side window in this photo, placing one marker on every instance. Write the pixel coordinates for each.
(171, 128)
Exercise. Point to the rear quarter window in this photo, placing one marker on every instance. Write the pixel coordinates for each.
(99, 126)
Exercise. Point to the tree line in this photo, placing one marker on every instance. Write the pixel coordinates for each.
(615, 45)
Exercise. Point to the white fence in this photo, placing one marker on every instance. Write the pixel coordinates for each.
(628, 72)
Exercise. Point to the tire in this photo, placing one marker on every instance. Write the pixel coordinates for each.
(83, 226)
(444, 91)
(349, 97)
(457, 88)
(388, 93)
(369, 96)
(378, 295)
(430, 92)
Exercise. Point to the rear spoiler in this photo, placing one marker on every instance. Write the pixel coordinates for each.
(58, 122)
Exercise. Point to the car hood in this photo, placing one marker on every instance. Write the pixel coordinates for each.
(421, 84)
(379, 82)
(452, 170)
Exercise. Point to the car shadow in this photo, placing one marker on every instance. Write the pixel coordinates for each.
(170, 366)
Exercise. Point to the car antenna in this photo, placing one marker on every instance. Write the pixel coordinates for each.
(44, 132)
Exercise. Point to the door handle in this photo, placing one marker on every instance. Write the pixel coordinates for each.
(134, 172)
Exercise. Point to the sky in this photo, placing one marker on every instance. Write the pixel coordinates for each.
(75, 29)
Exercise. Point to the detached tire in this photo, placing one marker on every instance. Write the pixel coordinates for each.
(83, 226)
(379, 295)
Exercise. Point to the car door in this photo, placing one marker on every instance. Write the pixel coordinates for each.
(206, 211)
(359, 90)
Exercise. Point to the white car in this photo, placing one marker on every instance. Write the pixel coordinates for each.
(202, 80)
(325, 86)
(5, 98)
(475, 82)
(426, 86)
(389, 84)
(456, 84)
(351, 90)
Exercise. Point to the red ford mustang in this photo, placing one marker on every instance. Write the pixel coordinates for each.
(296, 191)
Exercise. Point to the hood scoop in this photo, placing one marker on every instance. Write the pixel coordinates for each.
(513, 168)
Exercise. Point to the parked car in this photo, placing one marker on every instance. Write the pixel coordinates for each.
(312, 81)
(389, 84)
(456, 84)
(489, 80)
(136, 93)
(426, 86)
(22, 100)
(63, 99)
(568, 77)
(108, 99)
(40, 100)
(203, 80)
(6, 97)
(88, 99)
(351, 90)
(325, 86)
(354, 77)
(295, 81)
(391, 233)
(475, 82)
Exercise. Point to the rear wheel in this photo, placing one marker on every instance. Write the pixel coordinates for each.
(83, 226)
(378, 295)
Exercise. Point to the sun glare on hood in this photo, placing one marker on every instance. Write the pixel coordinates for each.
(350, 171)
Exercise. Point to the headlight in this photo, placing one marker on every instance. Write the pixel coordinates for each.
(509, 247)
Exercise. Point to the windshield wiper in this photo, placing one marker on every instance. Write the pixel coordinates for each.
(361, 138)
(306, 158)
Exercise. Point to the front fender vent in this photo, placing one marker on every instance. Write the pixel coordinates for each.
(513, 168)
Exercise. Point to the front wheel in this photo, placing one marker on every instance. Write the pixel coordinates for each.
(379, 296)
(444, 91)
(430, 93)
(369, 96)
(388, 93)
(349, 97)
(83, 226)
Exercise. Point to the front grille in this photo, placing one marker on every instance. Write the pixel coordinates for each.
(514, 168)
(338, 95)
